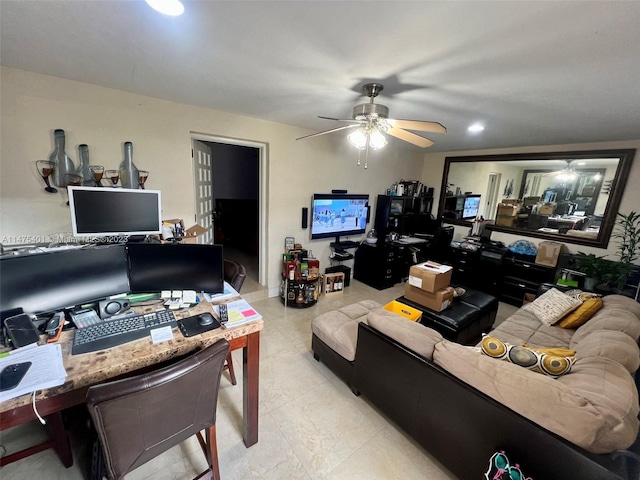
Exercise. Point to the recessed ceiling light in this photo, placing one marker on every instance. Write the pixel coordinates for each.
(475, 128)
(168, 7)
(582, 163)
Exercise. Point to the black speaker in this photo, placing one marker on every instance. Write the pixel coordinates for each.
(305, 216)
(112, 307)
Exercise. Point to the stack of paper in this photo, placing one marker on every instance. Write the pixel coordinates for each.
(46, 368)
(240, 312)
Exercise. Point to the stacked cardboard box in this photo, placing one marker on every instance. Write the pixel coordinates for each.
(506, 215)
(428, 285)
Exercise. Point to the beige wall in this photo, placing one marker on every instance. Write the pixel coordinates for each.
(33, 105)
(434, 166)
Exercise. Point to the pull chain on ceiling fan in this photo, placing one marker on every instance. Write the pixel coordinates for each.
(371, 121)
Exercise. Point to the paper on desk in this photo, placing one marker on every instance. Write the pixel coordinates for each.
(240, 312)
(46, 369)
(229, 292)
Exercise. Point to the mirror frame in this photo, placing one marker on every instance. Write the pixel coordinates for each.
(618, 184)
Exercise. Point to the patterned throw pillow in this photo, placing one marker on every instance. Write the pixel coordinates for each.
(591, 303)
(551, 365)
(552, 305)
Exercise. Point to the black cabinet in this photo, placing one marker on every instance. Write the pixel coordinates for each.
(521, 276)
(465, 265)
(375, 265)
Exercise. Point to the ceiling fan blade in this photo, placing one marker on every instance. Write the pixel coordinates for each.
(410, 137)
(419, 125)
(341, 119)
(328, 131)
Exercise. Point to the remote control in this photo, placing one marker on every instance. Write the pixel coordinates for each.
(224, 314)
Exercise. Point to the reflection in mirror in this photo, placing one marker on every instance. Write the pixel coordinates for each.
(571, 196)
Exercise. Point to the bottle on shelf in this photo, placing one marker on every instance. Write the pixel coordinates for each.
(63, 165)
(84, 170)
(128, 171)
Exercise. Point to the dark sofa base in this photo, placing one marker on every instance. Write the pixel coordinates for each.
(337, 364)
(459, 425)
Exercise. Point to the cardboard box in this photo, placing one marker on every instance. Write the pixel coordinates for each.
(176, 225)
(506, 214)
(546, 209)
(548, 253)
(406, 311)
(333, 283)
(512, 201)
(430, 276)
(437, 301)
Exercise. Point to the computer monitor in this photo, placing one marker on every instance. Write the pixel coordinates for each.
(154, 267)
(471, 206)
(56, 279)
(110, 212)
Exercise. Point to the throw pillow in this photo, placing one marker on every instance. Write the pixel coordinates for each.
(551, 306)
(551, 365)
(590, 305)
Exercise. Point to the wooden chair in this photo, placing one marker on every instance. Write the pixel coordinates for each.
(234, 275)
(141, 417)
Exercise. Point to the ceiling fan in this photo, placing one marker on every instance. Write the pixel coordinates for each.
(371, 121)
(567, 173)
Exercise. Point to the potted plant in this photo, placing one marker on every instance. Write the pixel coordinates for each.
(596, 269)
(627, 234)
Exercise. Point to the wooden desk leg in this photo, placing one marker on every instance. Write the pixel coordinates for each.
(60, 438)
(250, 371)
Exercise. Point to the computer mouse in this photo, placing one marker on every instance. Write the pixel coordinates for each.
(205, 319)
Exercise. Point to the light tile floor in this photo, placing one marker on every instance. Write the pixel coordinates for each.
(311, 425)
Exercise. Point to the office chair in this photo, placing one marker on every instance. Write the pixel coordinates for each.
(141, 417)
(234, 275)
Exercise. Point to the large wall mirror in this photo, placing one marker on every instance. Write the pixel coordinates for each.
(566, 196)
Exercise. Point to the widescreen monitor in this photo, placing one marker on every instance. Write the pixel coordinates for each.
(335, 215)
(471, 206)
(56, 279)
(154, 267)
(110, 212)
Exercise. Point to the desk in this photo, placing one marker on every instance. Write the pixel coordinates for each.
(124, 360)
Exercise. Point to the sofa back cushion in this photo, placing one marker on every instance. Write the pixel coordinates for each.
(616, 346)
(610, 318)
(412, 335)
(595, 406)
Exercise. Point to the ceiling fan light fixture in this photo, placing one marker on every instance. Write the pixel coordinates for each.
(358, 139)
(172, 8)
(377, 139)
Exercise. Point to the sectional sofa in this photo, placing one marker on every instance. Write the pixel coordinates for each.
(462, 406)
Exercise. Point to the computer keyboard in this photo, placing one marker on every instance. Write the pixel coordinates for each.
(110, 333)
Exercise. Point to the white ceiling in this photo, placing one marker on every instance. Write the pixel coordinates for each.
(535, 73)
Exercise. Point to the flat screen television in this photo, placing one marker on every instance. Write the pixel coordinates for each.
(338, 214)
(471, 206)
(105, 212)
(47, 281)
(154, 267)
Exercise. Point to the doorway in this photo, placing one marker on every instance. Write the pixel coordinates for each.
(492, 196)
(230, 200)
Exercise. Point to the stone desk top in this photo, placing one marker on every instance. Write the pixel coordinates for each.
(96, 367)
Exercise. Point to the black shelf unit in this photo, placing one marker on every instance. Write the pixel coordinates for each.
(404, 215)
(290, 291)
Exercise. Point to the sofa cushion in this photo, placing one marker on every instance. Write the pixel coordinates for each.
(412, 335)
(524, 327)
(552, 305)
(609, 318)
(595, 406)
(338, 329)
(582, 314)
(616, 346)
(552, 365)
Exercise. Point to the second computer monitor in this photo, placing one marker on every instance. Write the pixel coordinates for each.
(156, 267)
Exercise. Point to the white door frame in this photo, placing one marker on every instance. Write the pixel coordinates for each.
(263, 192)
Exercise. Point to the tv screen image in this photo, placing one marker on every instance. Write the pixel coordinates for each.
(471, 206)
(104, 211)
(335, 215)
